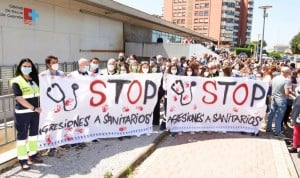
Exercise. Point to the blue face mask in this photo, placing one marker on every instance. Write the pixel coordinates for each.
(26, 70)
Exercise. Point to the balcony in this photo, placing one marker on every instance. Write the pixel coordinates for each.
(228, 8)
(229, 1)
(225, 39)
(224, 23)
(227, 15)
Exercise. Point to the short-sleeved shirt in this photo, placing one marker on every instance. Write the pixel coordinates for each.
(279, 84)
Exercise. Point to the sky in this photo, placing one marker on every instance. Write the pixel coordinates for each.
(281, 25)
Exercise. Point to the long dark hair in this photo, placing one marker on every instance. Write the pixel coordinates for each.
(34, 72)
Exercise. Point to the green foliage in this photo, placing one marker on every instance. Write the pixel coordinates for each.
(295, 44)
(248, 51)
(129, 172)
(276, 55)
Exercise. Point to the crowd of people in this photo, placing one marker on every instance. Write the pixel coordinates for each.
(283, 79)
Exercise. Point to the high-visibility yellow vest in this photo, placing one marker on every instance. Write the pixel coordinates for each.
(28, 91)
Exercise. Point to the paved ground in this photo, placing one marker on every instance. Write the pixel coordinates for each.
(109, 156)
(200, 155)
(219, 155)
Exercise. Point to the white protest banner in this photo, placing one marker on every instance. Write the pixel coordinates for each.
(85, 108)
(215, 104)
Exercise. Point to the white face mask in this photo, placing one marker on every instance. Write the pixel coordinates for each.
(174, 72)
(274, 73)
(86, 68)
(145, 70)
(122, 72)
(154, 69)
(189, 73)
(94, 66)
(111, 67)
(54, 66)
(206, 74)
(185, 65)
(237, 67)
(221, 74)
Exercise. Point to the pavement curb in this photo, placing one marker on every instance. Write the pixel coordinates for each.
(289, 162)
(283, 160)
(142, 156)
(8, 159)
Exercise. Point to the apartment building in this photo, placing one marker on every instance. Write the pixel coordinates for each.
(229, 21)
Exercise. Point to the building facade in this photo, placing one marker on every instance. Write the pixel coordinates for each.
(229, 21)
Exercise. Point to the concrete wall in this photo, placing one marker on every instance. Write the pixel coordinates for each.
(61, 29)
(167, 49)
(134, 33)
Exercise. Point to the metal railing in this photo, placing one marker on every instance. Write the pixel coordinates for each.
(7, 130)
(7, 99)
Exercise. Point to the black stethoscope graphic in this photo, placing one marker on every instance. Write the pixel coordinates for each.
(193, 83)
(62, 99)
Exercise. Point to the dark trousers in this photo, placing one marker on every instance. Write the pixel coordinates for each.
(26, 122)
(156, 113)
(286, 115)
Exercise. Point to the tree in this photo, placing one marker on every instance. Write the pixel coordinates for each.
(255, 46)
(275, 54)
(295, 44)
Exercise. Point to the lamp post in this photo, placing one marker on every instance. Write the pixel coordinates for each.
(263, 32)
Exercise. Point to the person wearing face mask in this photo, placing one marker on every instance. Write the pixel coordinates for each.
(159, 60)
(189, 71)
(175, 61)
(52, 70)
(25, 87)
(112, 67)
(52, 67)
(123, 69)
(94, 66)
(173, 70)
(134, 67)
(156, 112)
(83, 68)
(213, 72)
(145, 68)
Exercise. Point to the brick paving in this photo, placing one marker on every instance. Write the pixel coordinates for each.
(219, 155)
